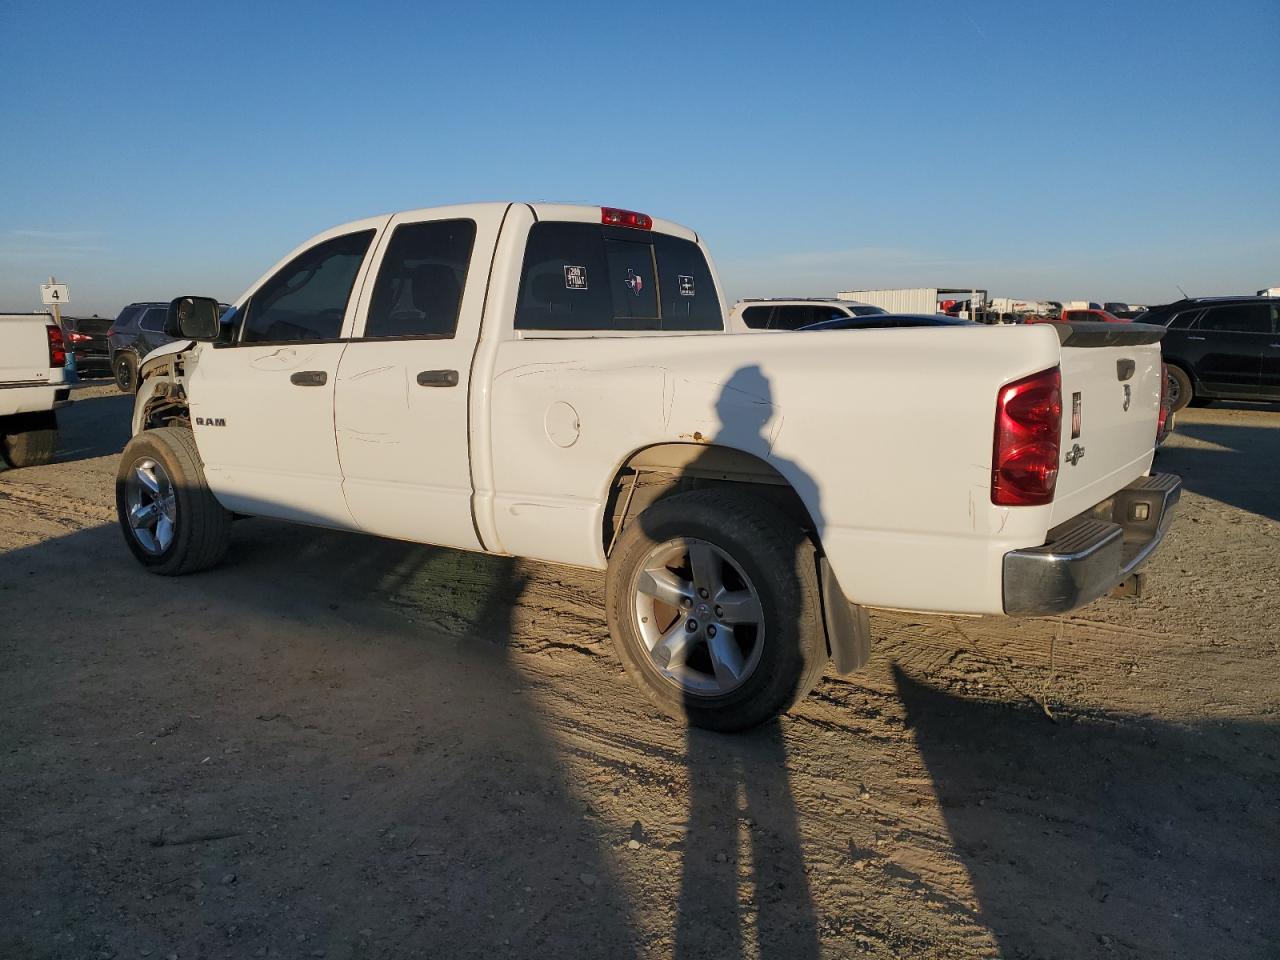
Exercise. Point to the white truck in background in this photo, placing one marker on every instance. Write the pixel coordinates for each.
(33, 384)
(558, 382)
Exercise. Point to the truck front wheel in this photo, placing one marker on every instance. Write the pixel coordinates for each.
(170, 520)
(714, 609)
(29, 439)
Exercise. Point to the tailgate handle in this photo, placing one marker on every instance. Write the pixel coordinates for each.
(1124, 369)
(309, 378)
(438, 378)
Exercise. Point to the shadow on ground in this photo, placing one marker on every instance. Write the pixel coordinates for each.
(272, 757)
(95, 426)
(1233, 471)
(1178, 860)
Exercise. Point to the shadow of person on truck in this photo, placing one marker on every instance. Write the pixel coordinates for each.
(741, 805)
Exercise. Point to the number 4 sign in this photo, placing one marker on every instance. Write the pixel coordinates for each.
(54, 293)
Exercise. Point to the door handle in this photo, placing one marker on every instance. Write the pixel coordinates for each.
(438, 378)
(309, 378)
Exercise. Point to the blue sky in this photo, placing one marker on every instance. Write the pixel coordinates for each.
(1072, 151)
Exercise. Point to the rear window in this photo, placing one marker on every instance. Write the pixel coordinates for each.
(584, 276)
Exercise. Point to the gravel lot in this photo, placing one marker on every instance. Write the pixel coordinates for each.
(334, 746)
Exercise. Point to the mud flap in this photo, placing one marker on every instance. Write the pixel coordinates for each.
(848, 625)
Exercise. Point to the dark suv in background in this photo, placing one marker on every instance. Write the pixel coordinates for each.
(86, 340)
(1220, 348)
(136, 332)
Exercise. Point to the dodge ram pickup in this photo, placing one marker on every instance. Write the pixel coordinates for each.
(557, 382)
(33, 384)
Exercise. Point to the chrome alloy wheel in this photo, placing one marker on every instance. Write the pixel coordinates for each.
(699, 616)
(152, 504)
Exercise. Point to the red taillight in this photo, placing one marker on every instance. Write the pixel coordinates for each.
(1028, 430)
(76, 337)
(625, 218)
(57, 348)
(1164, 399)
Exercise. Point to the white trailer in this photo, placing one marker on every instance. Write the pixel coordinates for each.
(918, 299)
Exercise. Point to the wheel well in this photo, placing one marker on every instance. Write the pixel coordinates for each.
(657, 472)
(167, 403)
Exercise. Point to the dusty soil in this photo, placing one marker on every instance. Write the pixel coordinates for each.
(342, 747)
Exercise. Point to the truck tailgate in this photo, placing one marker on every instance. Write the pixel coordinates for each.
(1111, 383)
(24, 348)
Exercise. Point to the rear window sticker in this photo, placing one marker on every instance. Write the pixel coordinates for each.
(686, 285)
(575, 278)
(634, 282)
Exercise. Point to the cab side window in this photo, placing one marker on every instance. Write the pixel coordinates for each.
(419, 288)
(307, 298)
(757, 318)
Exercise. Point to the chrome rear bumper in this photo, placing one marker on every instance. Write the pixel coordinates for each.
(1089, 554)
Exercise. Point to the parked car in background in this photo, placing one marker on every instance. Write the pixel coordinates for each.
(888, 321)
(1220, 348)
(86, 340)
(137, 331)
(33, 384)
(1124, 311)
(756, 315)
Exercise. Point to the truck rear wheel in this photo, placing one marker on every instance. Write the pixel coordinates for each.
(29, 439)
(714, 609)
(170, 520)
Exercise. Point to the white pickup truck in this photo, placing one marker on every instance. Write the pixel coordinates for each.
(33, 384)
(557, 382)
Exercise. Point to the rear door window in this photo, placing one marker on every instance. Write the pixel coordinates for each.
(1239, 318)
(419, 288)
(582, 276)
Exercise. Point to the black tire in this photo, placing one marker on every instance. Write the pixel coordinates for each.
(125, 369)
(201, 527)
(30, 439)
(1181, 389)
(779, 561)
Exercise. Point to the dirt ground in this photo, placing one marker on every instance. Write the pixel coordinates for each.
(334, 746)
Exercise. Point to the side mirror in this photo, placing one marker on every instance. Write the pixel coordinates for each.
(193, 318)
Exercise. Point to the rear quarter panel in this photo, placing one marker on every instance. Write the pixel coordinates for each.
(886, 435)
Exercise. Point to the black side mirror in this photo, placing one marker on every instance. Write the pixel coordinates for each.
(193, 318)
